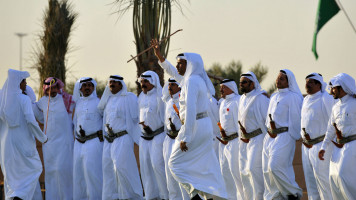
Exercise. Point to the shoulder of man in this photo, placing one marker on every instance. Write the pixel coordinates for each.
(194, 78)
(24, 98)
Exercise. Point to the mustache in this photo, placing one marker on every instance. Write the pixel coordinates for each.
(112, 86)
(144, 86)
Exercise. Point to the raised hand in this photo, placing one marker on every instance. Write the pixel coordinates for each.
(155, 45)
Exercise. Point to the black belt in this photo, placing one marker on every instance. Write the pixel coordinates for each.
(111, 137)
(278, 130)
(230, 137)
(314, 141)
(147, 136)
(345, 140)
(83, 139)
(199, 116)
(252, 134)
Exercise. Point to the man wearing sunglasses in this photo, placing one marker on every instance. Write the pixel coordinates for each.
(252, 116)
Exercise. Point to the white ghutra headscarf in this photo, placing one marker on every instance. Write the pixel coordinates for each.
(195, 66)
(230, 84)
(250, 75)
(78, 85)
(292, 82)
(318, 77)
(107, 93)
(10, 105)
(165, 93)
(346, 82)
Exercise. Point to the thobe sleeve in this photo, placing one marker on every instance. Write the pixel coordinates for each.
(75, 118)
(330, 133)
(295, 109)
(235, 115)
(133, 108)
(214, 107)
(162, 110)
(38, 112)
(171, 70)
(191, 97)
(262, 110)
(134, 117)
(31, 121)
(329, 102)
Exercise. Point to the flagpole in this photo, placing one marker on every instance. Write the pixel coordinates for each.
(347, 16)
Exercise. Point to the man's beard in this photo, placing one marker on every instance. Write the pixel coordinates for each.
(243, 90)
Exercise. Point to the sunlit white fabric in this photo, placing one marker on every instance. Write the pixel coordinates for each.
(20, 162)
(315, 115)
(198, 134)
(278, 153)
(253, 108)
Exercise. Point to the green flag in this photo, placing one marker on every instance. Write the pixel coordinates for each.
(326, 10)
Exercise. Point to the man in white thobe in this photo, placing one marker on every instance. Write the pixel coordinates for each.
(88, 147)
(342, 126)
(193, 161)
(252, 116)
(230, 142)
(58, 151)
(283, 123)
(20, 162)
(152, 110)
(170, 95)
(120, 171)
(315, 114)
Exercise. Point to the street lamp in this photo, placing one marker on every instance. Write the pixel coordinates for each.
(20, 35)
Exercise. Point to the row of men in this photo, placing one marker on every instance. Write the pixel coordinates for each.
(251, 157)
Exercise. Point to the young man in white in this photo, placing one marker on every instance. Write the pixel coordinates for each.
(230, 140)
(170, 95)
(88, 147)
(193, 161)
(283, 123)
(315, 114)
(120, 171)
(20, 162)
(342, 126)
(152, 111)
(252, 117)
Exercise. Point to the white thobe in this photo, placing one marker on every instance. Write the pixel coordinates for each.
(20, 162)
(151, 151)
(58, 151)
(121, 176)
(87, 167)
(278, 153)
(315, 114)
(252, 115)
(213, 113)
(198, 168)
(229, 154)
(175, 191)
(343, 160)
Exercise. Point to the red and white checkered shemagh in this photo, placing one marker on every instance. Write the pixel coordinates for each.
(67, 98)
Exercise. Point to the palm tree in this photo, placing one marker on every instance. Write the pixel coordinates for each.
(51, 54)
(151, 20)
